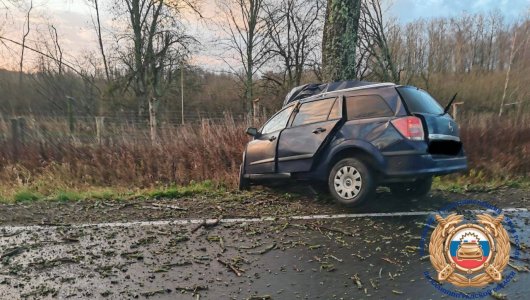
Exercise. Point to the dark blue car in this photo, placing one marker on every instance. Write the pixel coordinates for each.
(355, 136)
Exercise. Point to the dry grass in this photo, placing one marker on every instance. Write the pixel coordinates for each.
(127, 161)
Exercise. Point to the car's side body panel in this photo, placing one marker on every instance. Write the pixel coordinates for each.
(298, 145)
(261, 154)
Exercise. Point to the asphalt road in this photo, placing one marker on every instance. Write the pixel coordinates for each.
(48, 255)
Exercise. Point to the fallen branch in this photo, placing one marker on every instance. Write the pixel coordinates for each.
(13, 252)
(169, 206)
(390, 261)
(264, 250)
(207, 224)
(231, 267)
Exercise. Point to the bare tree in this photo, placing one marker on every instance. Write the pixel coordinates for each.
(514, 49)
(375, 40)
(293, 28)
(97, 28)
(246, 36)
(156, 44)
(25, 33)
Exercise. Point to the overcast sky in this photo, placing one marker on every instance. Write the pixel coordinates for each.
(73, 22)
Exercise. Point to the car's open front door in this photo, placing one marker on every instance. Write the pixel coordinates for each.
(310, 129)
(261, 152)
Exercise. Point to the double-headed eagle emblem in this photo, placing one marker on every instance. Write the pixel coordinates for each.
(469, 254)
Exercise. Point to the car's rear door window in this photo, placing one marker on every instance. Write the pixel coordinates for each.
(336, 111)
(313, 112)
(368, 106)
(419, 101)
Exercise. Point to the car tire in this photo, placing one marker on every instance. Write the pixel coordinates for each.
(351, 182)
(244, 183)
(418, 189)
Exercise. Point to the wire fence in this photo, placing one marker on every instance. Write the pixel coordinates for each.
(103, 129)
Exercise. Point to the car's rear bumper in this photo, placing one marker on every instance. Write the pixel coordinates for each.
(420, 165)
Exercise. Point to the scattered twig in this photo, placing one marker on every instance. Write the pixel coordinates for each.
(357, 281)
(498, 296)
(390, 261)
(519, 268)
(13, 252)
(231, 267)
(264, 250)
(207, 224)
(169, 206)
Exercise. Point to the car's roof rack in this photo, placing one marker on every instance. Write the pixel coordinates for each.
(375, 85)
(316, 89)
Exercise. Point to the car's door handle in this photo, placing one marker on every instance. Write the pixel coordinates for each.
(272, 138)
(319, 130)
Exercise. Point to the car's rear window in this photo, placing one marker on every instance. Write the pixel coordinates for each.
(419, 101)
(367, 106)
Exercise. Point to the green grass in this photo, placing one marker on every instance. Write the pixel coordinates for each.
(477, 182)
(25, 196)
(206, 187)
(33, 193)
(472, 182)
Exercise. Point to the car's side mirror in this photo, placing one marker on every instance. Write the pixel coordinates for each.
(252, 131)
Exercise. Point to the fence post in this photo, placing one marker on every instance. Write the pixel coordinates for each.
(455, 109)
(70, 112)
(15, 137)
(22, 130)
(100, 123)
(255, 111)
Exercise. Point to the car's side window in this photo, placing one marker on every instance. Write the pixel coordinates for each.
(279, 121)
(312, 112)
(365, 107)
(336, 110)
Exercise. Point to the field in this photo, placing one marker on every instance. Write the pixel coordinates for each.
(46, 160)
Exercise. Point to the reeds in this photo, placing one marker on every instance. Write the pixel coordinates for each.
(50, 157)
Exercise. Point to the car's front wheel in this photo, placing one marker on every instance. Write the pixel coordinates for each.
(351, 182)
(416, 189)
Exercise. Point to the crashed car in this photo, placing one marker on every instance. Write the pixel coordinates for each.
(355, 136)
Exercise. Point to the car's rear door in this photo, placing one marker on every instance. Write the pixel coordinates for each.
(310, 128)
(261, 152)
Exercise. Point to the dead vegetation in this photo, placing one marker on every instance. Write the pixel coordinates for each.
(42, 165)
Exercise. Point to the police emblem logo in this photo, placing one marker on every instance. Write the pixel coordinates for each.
(469, 255)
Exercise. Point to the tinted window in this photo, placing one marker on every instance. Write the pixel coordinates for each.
(419, 101)
(336, 111)
(364, 107)
(279, 121)
(312, 112)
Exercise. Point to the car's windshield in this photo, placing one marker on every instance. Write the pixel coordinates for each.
(419, 101)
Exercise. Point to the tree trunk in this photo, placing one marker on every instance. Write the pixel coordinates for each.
(340, 40)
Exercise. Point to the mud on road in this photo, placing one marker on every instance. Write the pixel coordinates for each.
(345, 258)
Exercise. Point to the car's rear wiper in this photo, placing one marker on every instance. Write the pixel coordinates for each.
(449, 105)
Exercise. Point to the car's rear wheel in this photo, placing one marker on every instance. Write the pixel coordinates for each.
(351, 182)
(244, 183)
(417, 189)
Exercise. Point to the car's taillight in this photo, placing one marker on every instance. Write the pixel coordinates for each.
(410, 127)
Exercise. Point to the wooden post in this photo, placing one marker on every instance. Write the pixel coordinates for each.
(455, 109)
(255, 109)
(153, 124)
(70, 112)
(22, 130)
(100, 122)
(15, 137)
(182, 91)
